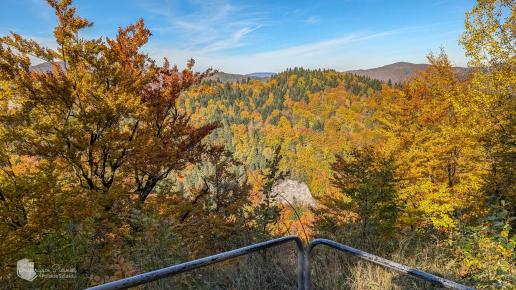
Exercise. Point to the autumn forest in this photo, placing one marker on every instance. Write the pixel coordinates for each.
(113, 163)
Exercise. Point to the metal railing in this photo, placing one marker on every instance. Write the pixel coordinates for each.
(436, 280)
(199, 263)
(303, 269)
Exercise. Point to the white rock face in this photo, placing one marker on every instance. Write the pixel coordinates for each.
(297, 193)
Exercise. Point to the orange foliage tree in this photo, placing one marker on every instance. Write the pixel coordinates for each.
(102, 127)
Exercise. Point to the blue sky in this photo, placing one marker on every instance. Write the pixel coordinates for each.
(251, 36)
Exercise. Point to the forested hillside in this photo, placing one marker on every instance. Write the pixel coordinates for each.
(310, 114)
(112, 164)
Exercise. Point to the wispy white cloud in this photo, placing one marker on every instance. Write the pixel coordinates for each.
(313, 54)
(312, 19)
(212, 29)
(233, 41)
(211, 25)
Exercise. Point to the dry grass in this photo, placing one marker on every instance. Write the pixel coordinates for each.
(271, 269)
(275, 269)
(335, 270)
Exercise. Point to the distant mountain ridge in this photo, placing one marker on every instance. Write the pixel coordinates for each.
(261, 74)
(220, 76)
(45, 67)
(229, 77)
(399, 72)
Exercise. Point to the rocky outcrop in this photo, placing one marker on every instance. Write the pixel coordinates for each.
(296, 193)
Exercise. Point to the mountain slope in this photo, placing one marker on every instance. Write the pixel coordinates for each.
(45, 67)
(398, 72)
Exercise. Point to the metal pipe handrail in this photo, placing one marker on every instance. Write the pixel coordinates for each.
(303, 265)
(379, 261)
(199, 263)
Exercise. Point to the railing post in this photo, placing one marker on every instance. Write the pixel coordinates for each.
(300, 268)
(307, 283)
